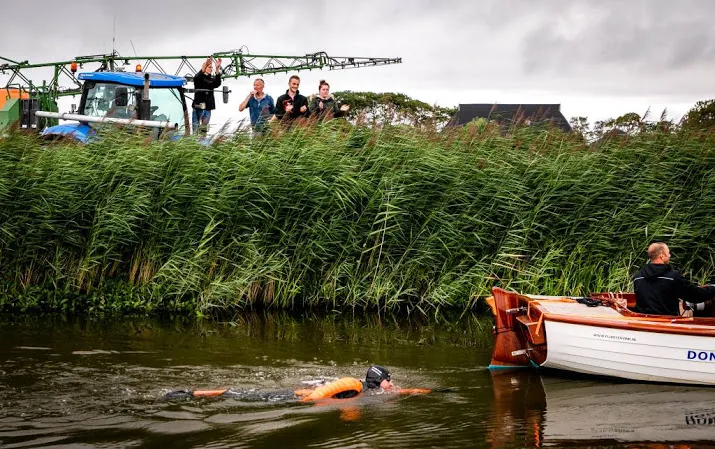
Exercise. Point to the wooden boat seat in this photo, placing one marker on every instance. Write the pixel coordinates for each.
(574, 308)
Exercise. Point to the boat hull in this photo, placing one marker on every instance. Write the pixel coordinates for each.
(601, 336)
(637, 355)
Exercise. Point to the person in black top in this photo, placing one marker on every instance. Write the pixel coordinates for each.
(659, 287)
(291, 104)
(205, 81)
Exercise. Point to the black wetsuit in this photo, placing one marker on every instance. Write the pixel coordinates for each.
(252, 395)
(260, 396)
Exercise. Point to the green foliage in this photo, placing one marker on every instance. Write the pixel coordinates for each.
(393, 108)
(701, 116)
(339, 217)
(627, 124)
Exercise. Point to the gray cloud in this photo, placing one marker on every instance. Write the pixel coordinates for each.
(652, 51)
(639, 36)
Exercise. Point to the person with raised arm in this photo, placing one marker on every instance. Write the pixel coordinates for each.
(205, 81)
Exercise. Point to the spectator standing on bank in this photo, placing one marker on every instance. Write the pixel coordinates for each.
(260, 106)
(324, 105)
(205, 81)
(291, 104)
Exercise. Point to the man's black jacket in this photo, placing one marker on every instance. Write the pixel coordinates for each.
(298, 102)
(658, 288)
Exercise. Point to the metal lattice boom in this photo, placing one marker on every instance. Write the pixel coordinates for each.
(235, 64)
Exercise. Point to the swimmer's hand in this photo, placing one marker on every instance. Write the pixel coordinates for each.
(413, 390)
(399, 390)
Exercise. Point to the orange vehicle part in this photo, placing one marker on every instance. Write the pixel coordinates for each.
(11, 93)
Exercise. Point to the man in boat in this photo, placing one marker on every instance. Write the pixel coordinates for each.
(377, 380)
(659, 287)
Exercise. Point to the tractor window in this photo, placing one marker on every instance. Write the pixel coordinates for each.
(111, 100)
(166, 105)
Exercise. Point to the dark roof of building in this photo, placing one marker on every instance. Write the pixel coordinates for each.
(510, 114)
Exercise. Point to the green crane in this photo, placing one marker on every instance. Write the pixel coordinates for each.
(20, 97)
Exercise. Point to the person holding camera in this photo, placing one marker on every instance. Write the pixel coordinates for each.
(291, 104)
(324, 105)
(659, 288)
(205, 81)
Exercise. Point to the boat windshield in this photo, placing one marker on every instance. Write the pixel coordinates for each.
(122, 101)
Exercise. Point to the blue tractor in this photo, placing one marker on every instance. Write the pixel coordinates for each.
(152, 100)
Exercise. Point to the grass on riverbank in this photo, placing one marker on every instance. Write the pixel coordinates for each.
(334, 217)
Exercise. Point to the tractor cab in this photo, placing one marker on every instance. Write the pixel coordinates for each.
(143, 99)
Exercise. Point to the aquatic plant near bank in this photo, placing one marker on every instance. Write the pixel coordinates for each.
(338, 217)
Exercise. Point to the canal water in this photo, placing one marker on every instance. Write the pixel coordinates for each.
(68, 383)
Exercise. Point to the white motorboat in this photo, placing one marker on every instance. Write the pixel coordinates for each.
(607, 339)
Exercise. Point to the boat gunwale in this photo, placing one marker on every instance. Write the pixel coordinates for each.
(627, 320)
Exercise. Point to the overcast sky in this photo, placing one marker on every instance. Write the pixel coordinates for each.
(599, 58)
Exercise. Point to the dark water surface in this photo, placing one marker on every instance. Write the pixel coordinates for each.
(101, 383)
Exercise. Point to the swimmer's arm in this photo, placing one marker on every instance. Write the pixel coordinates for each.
(413, 391)
(303, 392)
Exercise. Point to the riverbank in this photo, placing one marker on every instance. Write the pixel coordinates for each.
(341, 218)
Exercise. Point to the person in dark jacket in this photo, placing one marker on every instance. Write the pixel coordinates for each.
(324, 105)
(205, 81)
(291, 104)
(659, 287)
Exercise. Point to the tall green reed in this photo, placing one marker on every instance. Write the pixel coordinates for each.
(336, 217)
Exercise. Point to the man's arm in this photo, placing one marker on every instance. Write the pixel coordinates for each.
(244, 103)
(687, 291)
(302, 112)
(280, 109)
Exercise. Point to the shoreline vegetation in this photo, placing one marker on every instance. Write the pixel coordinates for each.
(335, 217)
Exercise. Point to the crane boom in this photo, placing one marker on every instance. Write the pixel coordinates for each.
(238, 64)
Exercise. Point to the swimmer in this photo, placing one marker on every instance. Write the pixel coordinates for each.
(377, 380)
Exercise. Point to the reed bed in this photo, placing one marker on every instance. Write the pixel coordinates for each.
(336, 217)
